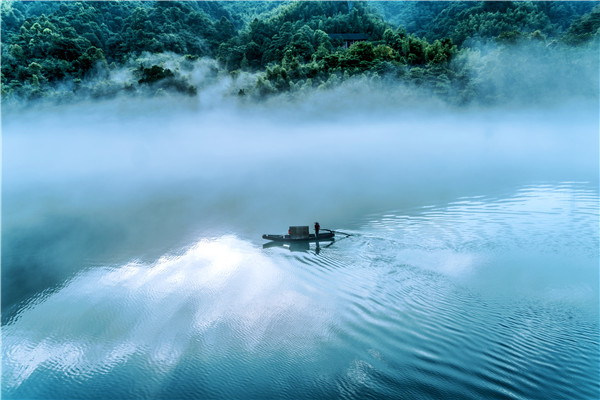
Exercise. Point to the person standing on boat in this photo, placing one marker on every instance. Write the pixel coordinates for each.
(317, 227)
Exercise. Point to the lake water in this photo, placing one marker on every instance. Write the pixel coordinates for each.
(132, 263)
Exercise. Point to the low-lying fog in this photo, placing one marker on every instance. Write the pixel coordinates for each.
(102, 183)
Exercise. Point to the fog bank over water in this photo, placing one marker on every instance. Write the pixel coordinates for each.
(166, 140)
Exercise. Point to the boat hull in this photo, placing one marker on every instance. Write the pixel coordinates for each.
(327, 236)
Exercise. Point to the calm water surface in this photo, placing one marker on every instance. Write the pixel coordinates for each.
(492, 294)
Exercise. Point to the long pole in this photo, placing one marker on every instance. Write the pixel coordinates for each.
(341, 233)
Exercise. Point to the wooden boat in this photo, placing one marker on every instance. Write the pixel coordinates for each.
(325, 236)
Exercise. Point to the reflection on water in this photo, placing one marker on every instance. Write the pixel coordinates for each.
(480, 298)
(300, 246)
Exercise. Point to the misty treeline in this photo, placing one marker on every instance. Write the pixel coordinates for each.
(68, 50)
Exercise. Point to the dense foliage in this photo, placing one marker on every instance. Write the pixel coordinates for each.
(286, 45)
(482, 20)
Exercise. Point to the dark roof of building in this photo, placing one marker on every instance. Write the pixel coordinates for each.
(348, 36)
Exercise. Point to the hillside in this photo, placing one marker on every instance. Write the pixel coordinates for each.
(63, 50)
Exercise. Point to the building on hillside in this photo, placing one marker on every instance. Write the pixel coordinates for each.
(346, 40)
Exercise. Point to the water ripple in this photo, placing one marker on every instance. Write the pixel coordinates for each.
(481, 298)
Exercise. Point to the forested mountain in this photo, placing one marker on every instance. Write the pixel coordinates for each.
(107, 47)
(484, 20)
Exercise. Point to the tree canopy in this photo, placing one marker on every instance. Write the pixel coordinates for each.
(288, 44)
